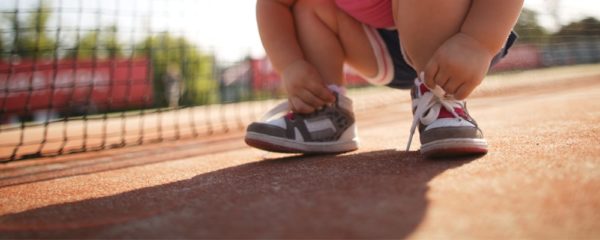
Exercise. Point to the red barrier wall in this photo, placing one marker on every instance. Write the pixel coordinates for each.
(65, 85)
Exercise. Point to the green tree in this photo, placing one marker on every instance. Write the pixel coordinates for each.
(102, 43)
(31, 39)
(195, 68)
(586, 28)
(529, 29)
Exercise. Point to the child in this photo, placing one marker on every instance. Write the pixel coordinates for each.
(451, 44)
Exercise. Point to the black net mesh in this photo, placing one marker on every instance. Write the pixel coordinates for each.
(86, 75)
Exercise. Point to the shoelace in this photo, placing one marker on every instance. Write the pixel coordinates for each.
(284, 108)
(433, 101)
(281, 109)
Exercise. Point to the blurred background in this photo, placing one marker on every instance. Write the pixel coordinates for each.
(81, 75)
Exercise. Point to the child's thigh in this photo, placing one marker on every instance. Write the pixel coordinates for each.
(424, 25)
(349, 32)
(359, 52)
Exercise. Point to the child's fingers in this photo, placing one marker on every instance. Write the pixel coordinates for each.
(310, 99)
(322, 92)
(431, 70)
(452, 85)
(299, 106)
(463, 91)
(441, 79)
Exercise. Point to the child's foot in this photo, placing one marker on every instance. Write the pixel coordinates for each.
(445, 127)
(328, 130)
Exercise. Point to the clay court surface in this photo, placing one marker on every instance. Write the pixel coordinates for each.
(540, 180)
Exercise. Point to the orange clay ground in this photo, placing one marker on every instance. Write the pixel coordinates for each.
(541, 178)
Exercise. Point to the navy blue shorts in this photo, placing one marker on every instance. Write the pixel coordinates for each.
(394, 71)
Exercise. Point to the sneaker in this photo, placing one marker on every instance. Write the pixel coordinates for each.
(327, 130)
(445, 127)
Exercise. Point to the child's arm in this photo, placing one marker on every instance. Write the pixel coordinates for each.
(490, 22)
(306, 90)
(460, 64)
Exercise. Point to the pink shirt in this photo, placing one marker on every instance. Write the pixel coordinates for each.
(375, 13)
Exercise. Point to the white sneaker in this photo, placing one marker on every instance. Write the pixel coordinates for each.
(328, 130)
(445, 127)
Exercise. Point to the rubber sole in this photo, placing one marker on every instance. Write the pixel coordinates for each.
(281, 145)
(456, 147)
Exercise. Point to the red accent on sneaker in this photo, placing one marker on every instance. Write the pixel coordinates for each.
(290, 116)
(423, 89)
(447, 114)
(443, 112)
(461, 112)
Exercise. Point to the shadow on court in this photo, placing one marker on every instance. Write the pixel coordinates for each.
(375, 194)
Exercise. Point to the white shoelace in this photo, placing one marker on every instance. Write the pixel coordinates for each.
(433, 101)
(278, 110)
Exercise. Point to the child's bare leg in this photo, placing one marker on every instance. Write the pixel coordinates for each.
(424, 25)
(329, 37)
(434, 40)
(309, 46)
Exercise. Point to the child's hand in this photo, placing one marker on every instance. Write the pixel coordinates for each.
(458, 66)
(306, 90)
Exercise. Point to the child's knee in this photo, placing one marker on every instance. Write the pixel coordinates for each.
(303, 6)
(307, 11)
(311, 6)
